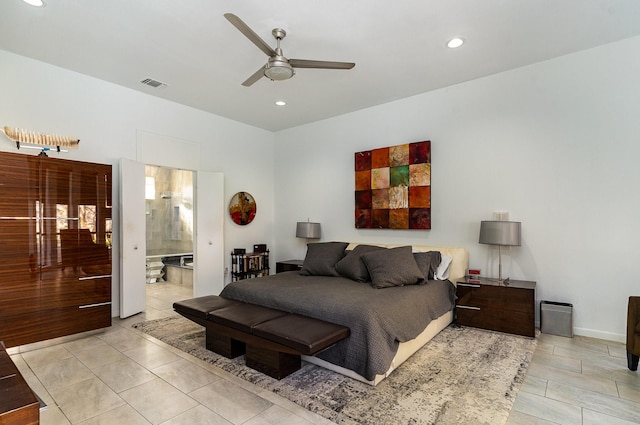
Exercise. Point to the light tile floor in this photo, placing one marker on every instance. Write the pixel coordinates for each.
(122, 376)
(578, 380)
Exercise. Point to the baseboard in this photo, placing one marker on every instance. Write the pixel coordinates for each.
(593, 333)
(53, 341)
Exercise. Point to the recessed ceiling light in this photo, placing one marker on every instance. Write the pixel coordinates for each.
(280, 102)
(37, 3)
(454, 43)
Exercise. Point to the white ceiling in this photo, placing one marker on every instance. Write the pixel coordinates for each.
(398, 46)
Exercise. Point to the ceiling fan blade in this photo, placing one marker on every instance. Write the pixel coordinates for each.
(250, 34)
(303, 63)
(255, 77)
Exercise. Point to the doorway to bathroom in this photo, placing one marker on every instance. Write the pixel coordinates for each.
(169, 229)
(207, 234)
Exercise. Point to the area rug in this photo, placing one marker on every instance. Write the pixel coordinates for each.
(462, 376)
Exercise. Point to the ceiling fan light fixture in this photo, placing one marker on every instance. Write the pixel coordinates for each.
(278, 70)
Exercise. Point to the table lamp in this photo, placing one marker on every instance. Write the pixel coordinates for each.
(500, 233)
(308, 230)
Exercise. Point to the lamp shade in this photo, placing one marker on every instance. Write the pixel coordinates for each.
(505, 233)
(305, 229)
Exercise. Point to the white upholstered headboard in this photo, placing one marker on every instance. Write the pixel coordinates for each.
(459, 255)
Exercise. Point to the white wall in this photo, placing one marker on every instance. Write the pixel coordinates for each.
(555, 143)
(110, 119)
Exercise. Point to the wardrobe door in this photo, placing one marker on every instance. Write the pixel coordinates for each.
(19, 273)
(94, 241)
(58, 254)
(94, 245)
(75, 255)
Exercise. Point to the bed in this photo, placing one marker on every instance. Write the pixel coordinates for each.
(365, 287)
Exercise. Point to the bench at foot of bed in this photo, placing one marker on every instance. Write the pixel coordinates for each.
(271, 340)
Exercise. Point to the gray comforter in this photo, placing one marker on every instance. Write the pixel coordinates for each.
(379, 319)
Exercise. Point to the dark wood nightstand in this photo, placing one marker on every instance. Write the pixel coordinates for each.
(18, 405)
(489, 305)
(289, 266)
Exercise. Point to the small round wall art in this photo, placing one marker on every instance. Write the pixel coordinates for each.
(242, 208)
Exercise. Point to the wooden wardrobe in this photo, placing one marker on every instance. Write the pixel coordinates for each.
(55, 247)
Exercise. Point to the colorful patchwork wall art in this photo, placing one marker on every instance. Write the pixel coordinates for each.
(393, 187)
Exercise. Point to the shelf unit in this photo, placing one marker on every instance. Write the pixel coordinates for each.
(155, 270)
(249, 265)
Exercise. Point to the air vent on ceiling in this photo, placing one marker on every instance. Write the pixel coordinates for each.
(153, 83)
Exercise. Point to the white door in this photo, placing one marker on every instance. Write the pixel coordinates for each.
(208, 278)
(132, 239)
(208, 273)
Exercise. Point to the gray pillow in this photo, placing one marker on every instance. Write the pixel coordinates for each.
(392, 267)
(351, 265)
(322, 257)
(428, 263)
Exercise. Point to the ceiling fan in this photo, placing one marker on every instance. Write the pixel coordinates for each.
(278, 67)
